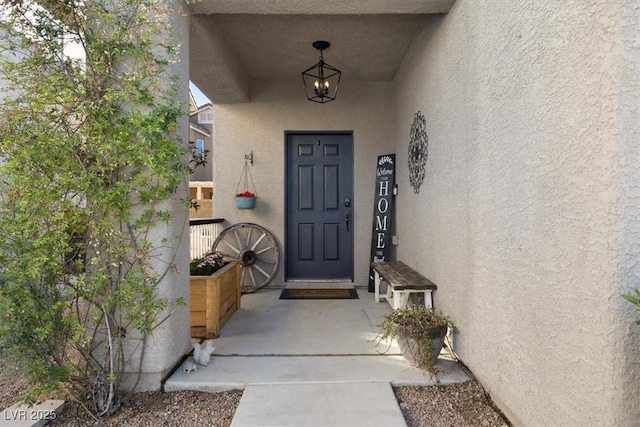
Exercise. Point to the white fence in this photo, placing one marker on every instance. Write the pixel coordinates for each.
(202, 234)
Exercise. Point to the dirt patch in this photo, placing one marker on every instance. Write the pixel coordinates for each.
(457, 405)
(175, 409)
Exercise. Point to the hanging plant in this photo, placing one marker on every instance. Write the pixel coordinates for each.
(246, 199)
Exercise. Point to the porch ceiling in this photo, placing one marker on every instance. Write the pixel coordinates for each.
(235, 41)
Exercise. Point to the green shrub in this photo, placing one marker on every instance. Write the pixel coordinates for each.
(634, 299)
(89, 155)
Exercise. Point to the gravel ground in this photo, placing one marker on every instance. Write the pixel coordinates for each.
(175, 409)
(458, 405)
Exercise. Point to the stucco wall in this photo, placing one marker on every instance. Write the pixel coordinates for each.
(202, 172)
(171, 340)
(527, 218)
(278, 106)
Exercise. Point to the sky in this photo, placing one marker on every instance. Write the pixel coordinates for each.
(200, 97)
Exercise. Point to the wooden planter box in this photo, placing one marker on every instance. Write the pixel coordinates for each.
(213, 300)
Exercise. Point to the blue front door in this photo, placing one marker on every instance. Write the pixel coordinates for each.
(319, 223)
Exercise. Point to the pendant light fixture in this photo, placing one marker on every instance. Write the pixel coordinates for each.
(321, 80)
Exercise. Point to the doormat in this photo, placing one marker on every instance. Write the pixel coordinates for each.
(319, 294)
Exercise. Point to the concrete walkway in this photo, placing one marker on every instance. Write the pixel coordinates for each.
(309, 363)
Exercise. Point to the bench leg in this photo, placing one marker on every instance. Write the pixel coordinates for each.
(389, 295)
(377, 286)
(428, 299)
(400, 299)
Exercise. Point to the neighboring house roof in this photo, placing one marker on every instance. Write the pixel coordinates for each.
(201, 108)
(199, 129)
(193, 105)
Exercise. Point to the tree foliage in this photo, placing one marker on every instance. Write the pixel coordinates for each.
(634, 299)
(89, 156)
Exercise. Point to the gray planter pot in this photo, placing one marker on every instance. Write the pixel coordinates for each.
(412, 348)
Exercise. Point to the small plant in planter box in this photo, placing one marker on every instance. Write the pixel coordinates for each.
(206, 265)
(420, 333)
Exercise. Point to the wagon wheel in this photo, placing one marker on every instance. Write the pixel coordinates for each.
(257, 250)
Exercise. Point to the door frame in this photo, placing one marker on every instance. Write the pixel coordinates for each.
(286, 201)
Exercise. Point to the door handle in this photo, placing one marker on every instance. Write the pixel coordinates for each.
(346, 216)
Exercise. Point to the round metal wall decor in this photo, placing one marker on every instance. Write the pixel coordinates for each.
(418, 151)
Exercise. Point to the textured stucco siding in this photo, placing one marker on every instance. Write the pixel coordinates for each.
(202, 172)
(171, 340)
(528, 216)
(259, 126)
(331, 7)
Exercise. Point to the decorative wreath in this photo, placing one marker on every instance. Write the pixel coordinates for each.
(418, 152)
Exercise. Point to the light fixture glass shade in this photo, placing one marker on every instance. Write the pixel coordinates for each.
(321, 81)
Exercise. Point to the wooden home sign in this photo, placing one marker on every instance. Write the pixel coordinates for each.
(382, 212)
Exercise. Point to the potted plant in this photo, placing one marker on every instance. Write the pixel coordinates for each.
(245, 200)
(420, 333)
(206, 265)
(214, 293)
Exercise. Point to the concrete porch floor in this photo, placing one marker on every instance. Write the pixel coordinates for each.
(293, 358)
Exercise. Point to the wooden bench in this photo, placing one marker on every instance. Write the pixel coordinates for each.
(402, 281)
